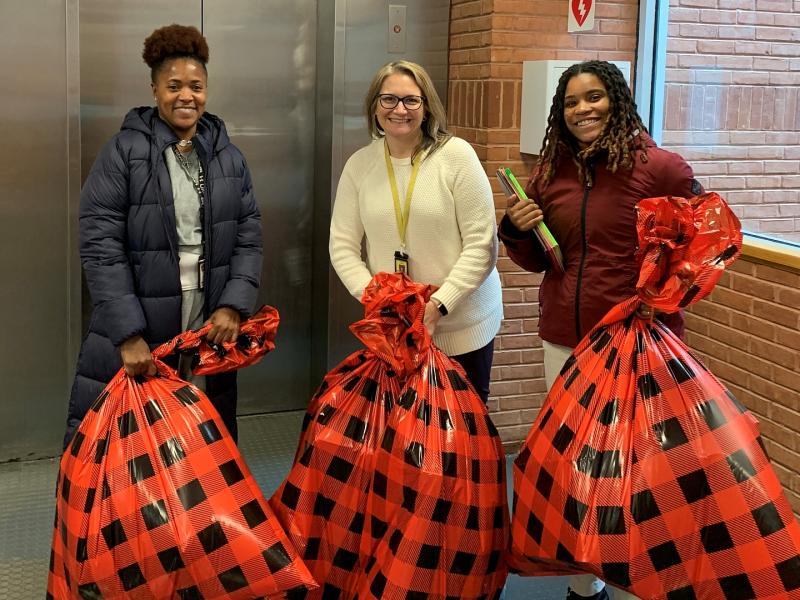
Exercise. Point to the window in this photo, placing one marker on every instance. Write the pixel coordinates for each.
(720, 86)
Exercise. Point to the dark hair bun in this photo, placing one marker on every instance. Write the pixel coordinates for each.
(172, 41)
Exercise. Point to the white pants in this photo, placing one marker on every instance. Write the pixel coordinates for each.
(584, 585)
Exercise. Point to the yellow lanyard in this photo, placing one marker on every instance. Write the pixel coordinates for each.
(401, 214)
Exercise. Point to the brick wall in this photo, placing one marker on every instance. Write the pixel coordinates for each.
(748, 333)
(733, 105)
(749, 329)
(489, 39)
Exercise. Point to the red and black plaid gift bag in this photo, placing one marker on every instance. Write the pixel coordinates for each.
(641, 467)
(438, 508)
(323, 501)
(256, 338)
(154, 500)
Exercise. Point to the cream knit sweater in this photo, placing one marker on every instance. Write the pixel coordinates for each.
(451, 237)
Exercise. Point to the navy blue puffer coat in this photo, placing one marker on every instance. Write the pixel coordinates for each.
(129, 248)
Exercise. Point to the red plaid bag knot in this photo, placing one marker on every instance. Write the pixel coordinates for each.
(256, 338)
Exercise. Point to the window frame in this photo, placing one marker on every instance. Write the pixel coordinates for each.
(651, 65)
(649, 87)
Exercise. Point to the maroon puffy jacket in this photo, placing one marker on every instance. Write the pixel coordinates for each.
(596, 230)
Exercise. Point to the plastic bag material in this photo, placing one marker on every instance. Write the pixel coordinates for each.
(337, 505)
(641, 467)
(155, 501)
(256, 338)
(323, 502)
(438, 507)
(392, 329)
(684, 247)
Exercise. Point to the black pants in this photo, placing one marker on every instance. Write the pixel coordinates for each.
(478, 366)
(221, 390)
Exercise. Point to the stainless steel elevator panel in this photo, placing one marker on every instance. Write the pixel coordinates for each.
(366, 49)
(361, 47)
(114, 77)
(288, 77)
(35, 263)
(261, 82)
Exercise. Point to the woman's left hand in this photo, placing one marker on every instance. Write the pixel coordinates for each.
(224, 325)
(432, 316)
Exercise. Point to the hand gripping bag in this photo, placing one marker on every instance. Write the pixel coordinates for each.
(256, 338)
(641, 467)
(438, 508)
(154, 500)
(323, 501)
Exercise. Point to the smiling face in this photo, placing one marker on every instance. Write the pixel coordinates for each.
(400, 123)
(586, 108)
(180, 91)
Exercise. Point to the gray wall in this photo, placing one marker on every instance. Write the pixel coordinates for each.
(287, 76)
(38, 266)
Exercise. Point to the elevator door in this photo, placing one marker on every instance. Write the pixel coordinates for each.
(261, 83)
(263, 77)
(35, 266)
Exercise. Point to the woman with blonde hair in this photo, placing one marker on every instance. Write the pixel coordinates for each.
(420, 198)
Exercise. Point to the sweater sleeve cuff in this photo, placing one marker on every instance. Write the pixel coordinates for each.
(448, 295)
(358, 291)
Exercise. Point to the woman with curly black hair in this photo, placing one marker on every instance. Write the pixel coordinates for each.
(596, 163)
(170, 232)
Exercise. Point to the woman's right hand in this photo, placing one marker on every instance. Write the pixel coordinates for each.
(524, 215)
(136, 357)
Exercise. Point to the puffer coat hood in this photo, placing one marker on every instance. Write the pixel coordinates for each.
(129, 243)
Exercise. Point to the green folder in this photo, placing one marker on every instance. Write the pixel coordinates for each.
(542, 232)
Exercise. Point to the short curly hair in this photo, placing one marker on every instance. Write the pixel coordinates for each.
(174, 41)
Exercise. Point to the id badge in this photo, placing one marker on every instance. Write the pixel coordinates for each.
(401, 262)
(201, 273)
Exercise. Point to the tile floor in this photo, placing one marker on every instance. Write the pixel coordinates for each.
(27, 498)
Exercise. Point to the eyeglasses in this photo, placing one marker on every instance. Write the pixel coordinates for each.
(391, 101)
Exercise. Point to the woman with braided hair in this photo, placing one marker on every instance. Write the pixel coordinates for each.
(170, 232)
(596, 163)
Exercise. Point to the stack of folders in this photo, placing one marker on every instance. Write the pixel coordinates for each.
(541, 232)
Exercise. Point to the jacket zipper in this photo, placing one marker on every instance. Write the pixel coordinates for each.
(584, 248)
(162, 202)
(207, 235)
